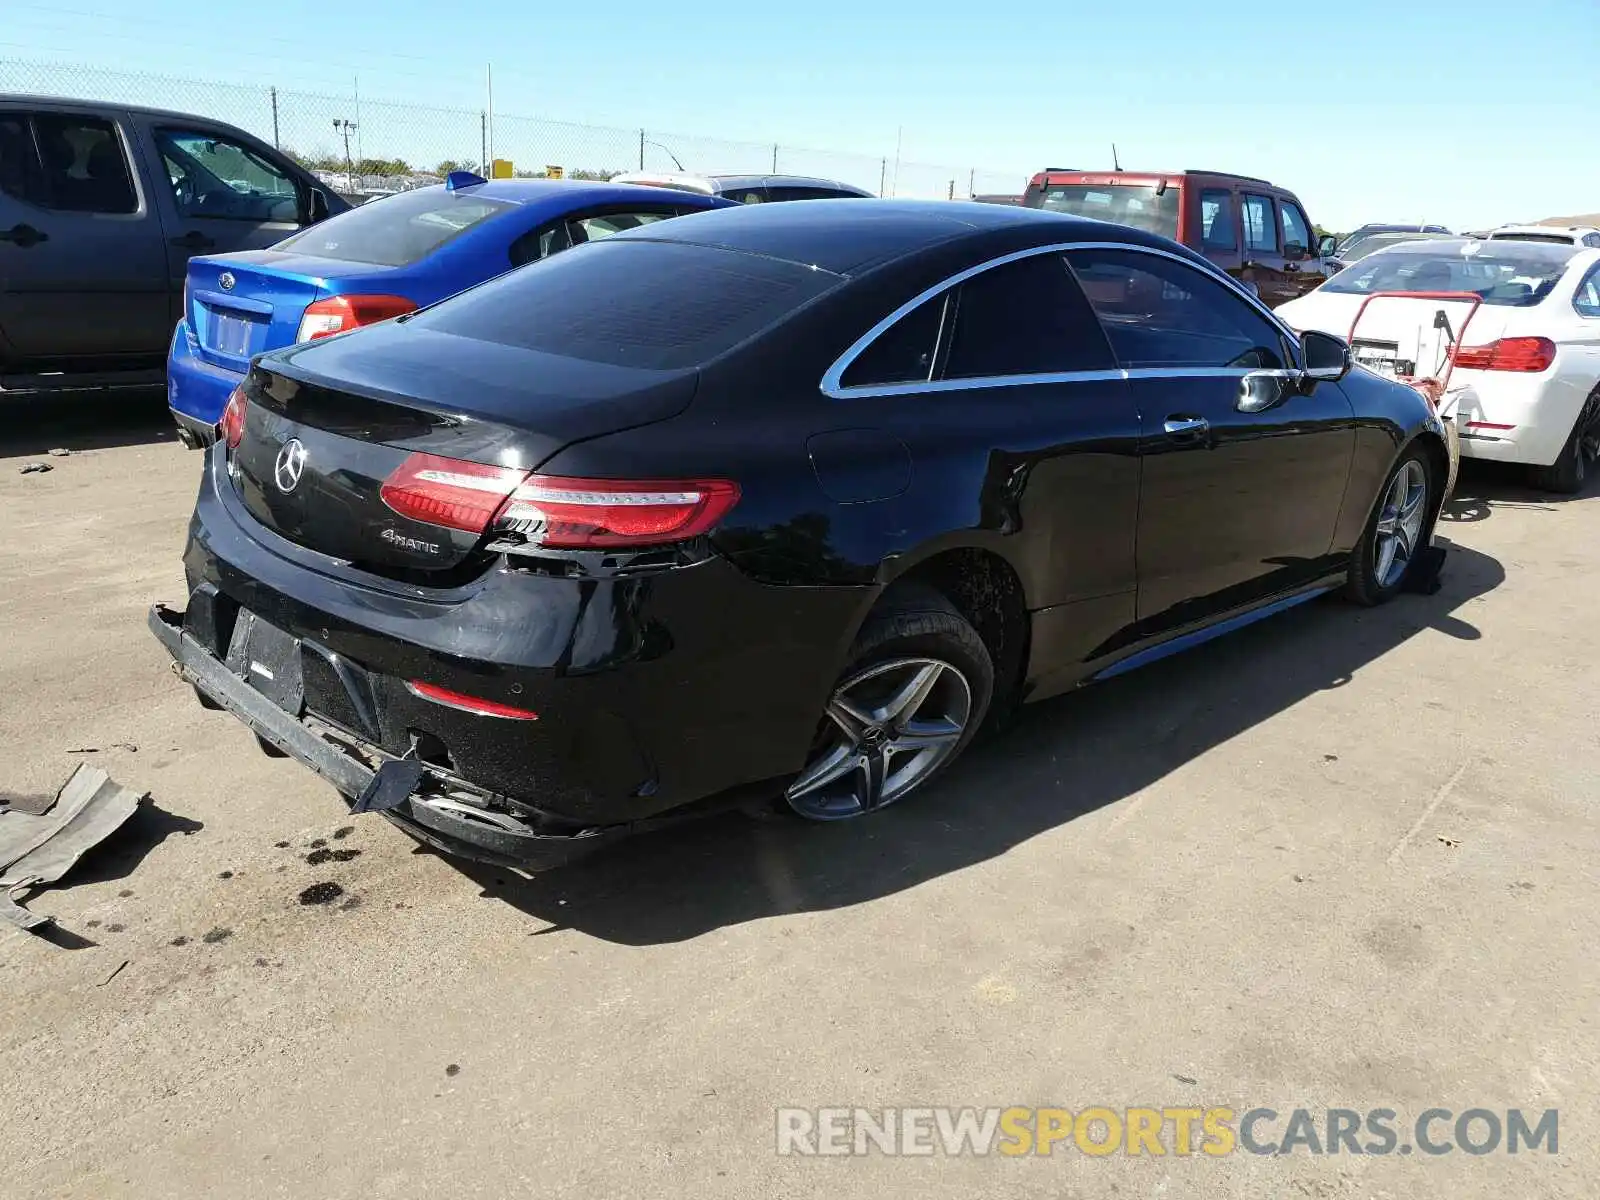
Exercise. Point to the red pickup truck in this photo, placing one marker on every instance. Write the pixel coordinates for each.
(1252, 229)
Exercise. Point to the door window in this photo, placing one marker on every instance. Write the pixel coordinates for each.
(1218, 229)
(21, 176)
(213, 176)
(1158, 312)
(1027, 317)
(1296, 234)
(1260, 230)
(85, 168)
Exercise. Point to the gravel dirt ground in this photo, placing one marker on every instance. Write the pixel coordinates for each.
(1343, 858)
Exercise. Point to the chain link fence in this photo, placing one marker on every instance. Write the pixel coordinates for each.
(362, 145)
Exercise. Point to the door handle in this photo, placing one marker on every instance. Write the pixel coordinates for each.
(193, 240)
(24, 236)
(1291, 266)
(1186, 427)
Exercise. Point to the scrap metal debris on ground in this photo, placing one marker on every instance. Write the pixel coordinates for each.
(35, 468)
(39, 843)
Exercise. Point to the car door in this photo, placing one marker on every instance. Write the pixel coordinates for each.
(1235, 505)
(218, 192)
(1263, 265)
(82, 276)
(1301, 264)
(1005, 380)
(588, 225)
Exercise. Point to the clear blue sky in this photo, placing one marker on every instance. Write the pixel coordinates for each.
(1466, 113)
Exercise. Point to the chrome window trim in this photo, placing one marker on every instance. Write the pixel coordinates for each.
(832, 387)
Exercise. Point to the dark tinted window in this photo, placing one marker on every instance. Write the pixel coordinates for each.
(807, 193)
(85, 169)
(395, 230)
(1025, 318)
(1161, 313)
(20, 175)
(1218, 228)
(1260, 230)
(904, 352)
(632, 303)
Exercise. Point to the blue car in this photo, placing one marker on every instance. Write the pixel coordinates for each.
(381, 260)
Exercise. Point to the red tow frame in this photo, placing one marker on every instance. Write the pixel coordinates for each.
(1432, 388)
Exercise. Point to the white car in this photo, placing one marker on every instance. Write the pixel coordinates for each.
(1523, 386)
(1572, 235)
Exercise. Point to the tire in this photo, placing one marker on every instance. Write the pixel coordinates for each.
(1375, 578)
(1567, 474)
(917, 648)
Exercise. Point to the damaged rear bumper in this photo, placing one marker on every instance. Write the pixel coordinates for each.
(433, 806)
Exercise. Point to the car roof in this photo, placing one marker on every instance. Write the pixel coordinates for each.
(80, 102)
(1547, 230)
(1552, 252)
(1140, 176)
(847, 238)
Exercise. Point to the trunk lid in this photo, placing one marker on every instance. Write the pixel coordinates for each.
(330, 421)
(1408, 331)
(261, 308)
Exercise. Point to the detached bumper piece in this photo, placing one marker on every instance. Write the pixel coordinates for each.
(433, 806)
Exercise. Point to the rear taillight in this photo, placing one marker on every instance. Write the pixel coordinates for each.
(1507, 354)
(565, 513)
(448, 491)
(231, 428)
(556, 511)
(324, 318)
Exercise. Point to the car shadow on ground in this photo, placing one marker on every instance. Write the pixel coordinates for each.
(1483, 487)
(1060, 759)
(33, 425)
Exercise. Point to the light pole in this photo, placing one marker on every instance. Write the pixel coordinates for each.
(341, 125)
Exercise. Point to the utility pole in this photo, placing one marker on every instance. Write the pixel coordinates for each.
(346, 127)
(275, 119)
(483, 140)
(641, 149)
(489, 120)
(774, 159)
(972, 183)
(883, 176)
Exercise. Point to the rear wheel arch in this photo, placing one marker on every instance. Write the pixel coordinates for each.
(988, 593)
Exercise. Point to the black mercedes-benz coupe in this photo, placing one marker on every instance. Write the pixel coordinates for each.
(773, 501)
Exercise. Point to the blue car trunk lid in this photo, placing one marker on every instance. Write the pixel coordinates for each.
(242, 304)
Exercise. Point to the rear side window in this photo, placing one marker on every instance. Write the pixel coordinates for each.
(1260, 230)
(904, 352)
(1027, 317)
(1587, 298)
(85, 168)
(1218, 228)
(631, 302)
(396, 230)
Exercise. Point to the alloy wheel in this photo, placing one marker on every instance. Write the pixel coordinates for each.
(1405, 509)
(888, 728)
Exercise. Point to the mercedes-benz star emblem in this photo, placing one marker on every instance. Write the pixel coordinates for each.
(225, 281)
(291, 462)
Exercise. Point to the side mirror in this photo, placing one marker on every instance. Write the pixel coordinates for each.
(1326, 358)
(317, 206)
(1326, 245)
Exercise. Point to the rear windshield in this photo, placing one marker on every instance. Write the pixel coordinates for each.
(1516, 274)
(1133, 204)
(1558, 239)
(396, 230)
(632, 302)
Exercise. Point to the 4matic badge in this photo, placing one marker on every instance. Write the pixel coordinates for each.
(400, 540)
